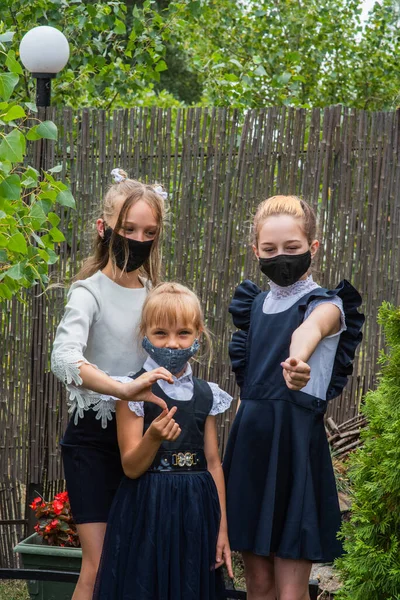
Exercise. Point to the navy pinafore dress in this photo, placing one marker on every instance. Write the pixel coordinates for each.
(163, 527)
(281, 491)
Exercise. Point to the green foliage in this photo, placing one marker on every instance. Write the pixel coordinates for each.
(239, 53)
(307, 53)
(179, 78)
(28, 225)
(117, 48)
(371, 566)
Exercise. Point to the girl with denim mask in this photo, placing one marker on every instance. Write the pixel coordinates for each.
(167, 528)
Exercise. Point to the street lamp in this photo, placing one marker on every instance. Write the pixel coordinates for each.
(44, 51)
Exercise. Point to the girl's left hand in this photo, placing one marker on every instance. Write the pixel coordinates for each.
(296, 373)
(224, 553)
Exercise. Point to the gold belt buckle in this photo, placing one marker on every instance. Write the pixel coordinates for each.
(184, 459)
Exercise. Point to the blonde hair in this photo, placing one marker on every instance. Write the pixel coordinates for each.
(168, 303)
(285, 205)
(134, 191)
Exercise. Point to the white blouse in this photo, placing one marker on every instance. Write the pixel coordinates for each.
(99, 327)
(321, 361)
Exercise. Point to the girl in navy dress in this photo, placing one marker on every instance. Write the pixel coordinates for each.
(167, 527)
(97, 336)
(293, 352)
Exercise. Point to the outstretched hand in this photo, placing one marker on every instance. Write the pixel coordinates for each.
(296, 373)
(139, 390)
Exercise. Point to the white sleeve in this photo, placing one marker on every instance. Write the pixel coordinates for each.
(137, 408)
(334, 300)
(72, 334)
(222, 400)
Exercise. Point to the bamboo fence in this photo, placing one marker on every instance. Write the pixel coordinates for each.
(216, 165)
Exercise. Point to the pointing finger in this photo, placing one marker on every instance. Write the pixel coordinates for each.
(167, 416)
(172, 412)
(162, 415)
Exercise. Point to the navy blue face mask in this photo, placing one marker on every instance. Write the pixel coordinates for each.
(172, 359)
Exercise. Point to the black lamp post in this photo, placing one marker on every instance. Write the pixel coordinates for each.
(44, 51)
(43, 88)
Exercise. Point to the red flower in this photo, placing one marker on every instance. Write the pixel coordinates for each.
(49, 525)
(62, 497)
(58, 507)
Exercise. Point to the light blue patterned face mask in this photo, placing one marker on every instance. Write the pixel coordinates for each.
(172, 359)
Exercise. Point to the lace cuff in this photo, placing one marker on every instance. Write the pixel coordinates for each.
(222, 400)
(65, 366)
(82, 399)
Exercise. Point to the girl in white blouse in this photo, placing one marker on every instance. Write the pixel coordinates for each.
(98, 335)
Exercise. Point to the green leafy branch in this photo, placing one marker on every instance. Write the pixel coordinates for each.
(29, 234)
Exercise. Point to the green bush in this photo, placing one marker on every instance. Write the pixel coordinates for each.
(370, 569)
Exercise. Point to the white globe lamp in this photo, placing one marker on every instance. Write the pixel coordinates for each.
(44, 51)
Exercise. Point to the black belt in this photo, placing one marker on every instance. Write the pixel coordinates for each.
(179, 462)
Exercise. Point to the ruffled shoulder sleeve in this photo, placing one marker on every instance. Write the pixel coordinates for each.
(240, 309)
(221, 399)
(349, 339)
(137, 408)
(242, 301)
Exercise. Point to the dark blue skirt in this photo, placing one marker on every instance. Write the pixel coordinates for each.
(281, 491)
(161, 539)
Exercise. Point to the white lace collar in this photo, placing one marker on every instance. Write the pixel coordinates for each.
(301, 287)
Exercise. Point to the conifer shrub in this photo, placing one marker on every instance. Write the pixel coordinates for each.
(370, 568)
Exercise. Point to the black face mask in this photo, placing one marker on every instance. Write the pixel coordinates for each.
(138, 252)
(285, 269)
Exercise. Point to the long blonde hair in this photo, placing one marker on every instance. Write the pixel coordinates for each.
(134, 191)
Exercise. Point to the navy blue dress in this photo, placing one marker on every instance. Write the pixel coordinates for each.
(281, 491)
(163, 527)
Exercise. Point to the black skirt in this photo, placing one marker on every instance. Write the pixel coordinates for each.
(92, 467)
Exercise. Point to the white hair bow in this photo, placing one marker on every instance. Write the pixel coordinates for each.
(116, 175)
(161, 192)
